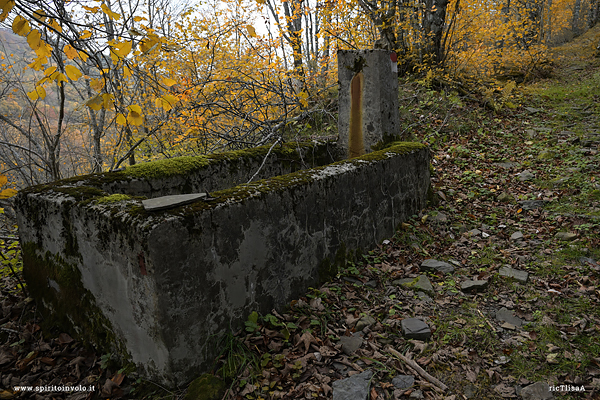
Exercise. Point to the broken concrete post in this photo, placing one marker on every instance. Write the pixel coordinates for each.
(368, 99)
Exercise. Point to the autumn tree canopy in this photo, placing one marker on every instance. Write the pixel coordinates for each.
(93, 85)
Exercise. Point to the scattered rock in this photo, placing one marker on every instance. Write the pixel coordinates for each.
(516, 274)
(537, 391)
(435, 265)
(351, 343)
(505, 197)
(473, 232)
(414, 328)
(566, 236)
(421, 283)
(532, 110)
(473, 286)
(206, 387)
(355, 387)
(363, 322)
(423, 297)
(518, 235)
(439, 217)
(403, 381)
(526, 176)
(508, 325)
(546, 155)
(506, 165)
(416, 394)
(528, 205)
(505, 315)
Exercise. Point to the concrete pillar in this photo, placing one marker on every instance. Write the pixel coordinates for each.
(368, 99)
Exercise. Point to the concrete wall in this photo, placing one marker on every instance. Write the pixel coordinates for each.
(159, 287)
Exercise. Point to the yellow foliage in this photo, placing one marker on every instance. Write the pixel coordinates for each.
(38, 93)
(135, 116)
(73, 72)
(111, 14)
(20, 26)
(70, 52)
(34, 39)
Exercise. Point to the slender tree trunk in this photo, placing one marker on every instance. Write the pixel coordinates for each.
(433, 27)
(576, 12)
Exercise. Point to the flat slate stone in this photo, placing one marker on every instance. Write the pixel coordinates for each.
(537, 391)
(516, 236)
(528, 205)
(473, 286)
(506, 165)
(414, 328)
(363, 322)
(165, 202)
(566, 236)
(403, 381)
(526, 176)
(505, 315)
(351, 343)
(435, 265)
(355, 387)
(473, 232)
(421, 283)
(516, 274)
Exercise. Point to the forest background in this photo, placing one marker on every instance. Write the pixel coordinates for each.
(91, 86)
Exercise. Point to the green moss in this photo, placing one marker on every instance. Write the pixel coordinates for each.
(113, 198)
(206, 387)
(66, 305)
(595, 194)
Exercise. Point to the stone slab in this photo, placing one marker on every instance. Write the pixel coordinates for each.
(505, 315)
(473, 286)
(403, 381)
(516, 274)
(355, 387)
(537, 391)
(351, 343)
(414, 328)
(435, 265)
(166, 202)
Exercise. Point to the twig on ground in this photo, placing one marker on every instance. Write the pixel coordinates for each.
(418, 368)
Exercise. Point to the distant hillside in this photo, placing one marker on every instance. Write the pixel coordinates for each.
(14, 44)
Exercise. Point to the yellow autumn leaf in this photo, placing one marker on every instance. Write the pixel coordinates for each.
(3, 180)
(83, 56)
(50, 70)
(45, 50)
(70, 52)
(58, 77)
(85, 34)
(107, 100)
(169, 81)
(124, 48)
(6, 6)
(135, 117)
(34, 39)
(55, 25)
(97, 84)
(166, 102)
(150, 43)
(73, 72)
(120, 119)
(303, 98)
(38, 93)
(95, 103)
(7, 193)
(251, 30)
(38, 63)
(39, 15)
(110, 13)
(20, 26)
(91, 9)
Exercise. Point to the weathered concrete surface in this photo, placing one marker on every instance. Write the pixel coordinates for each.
(160, 287)
(379, 117)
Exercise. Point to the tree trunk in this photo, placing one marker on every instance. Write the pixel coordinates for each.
(433, 28)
